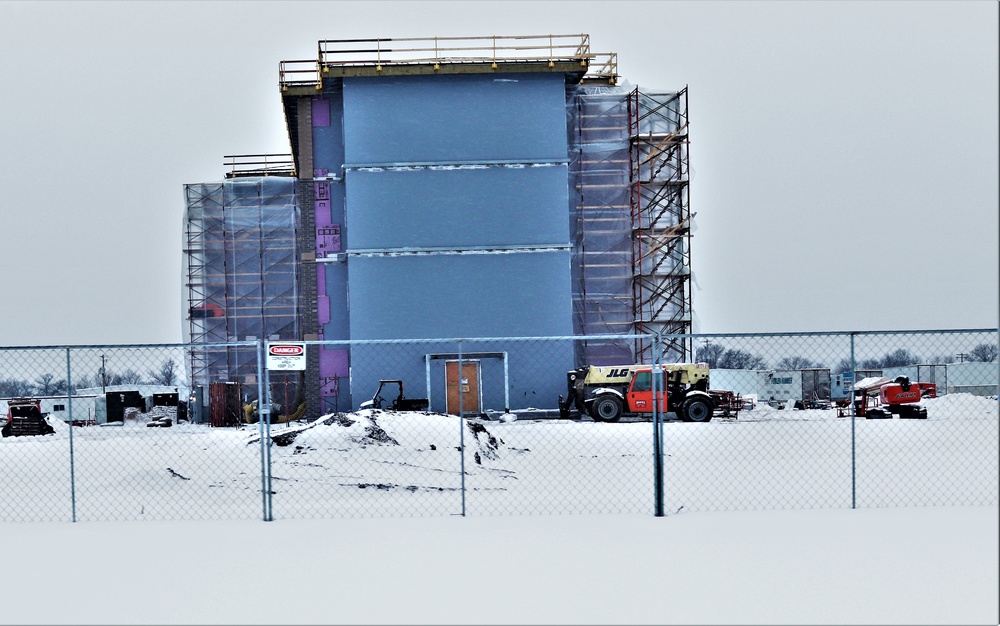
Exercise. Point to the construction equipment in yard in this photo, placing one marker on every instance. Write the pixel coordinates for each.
(24, 417)
(606, 393)
(399, 403)
(881, 398)
(727, 403)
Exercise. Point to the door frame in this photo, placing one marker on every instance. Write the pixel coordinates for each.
(460, 366)
(469, 356)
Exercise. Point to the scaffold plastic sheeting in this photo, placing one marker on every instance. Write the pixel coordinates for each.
(600, 220)
(240, 270)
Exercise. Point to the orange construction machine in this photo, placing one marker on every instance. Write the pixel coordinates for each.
(881, 398)
(606, 393)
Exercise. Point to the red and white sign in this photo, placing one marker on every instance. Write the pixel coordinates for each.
(286, 355)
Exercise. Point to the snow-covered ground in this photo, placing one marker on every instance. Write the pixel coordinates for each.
(378, 464)
(169, 528)
(864, 566)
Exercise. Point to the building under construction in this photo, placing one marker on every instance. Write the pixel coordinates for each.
(482, 187)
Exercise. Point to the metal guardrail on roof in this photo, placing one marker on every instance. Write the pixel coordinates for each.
(259, 165)
(436, 51)
(603, 66)
(299, 73)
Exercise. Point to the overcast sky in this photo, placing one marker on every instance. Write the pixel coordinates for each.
(844, 154)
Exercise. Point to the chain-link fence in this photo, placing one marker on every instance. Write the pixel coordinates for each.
(113, 433)
(509, 426)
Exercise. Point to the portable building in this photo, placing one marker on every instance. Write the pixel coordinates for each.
(806, 385)
(83, 408)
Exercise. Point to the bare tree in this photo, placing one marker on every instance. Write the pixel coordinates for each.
(870, 364)
(710, 354)
(82, 381)
(899, 357)
(44, 385)
(945, 358)
(985, 352)
(896, 358)
(13, 388)
(127, 377)
(796, 363)
(131, 377)
(741, 360)
(166, 375)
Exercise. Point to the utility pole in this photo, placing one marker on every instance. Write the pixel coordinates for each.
(961, 356)
(104, 378)
(707, 343)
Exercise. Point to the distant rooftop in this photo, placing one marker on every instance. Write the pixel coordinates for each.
(337, 58)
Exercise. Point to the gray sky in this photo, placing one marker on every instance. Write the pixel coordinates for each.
(844, 154)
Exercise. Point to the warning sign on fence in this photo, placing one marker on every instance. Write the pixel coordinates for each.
(287, 355)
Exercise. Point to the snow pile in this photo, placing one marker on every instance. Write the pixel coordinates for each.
(411, 430)
(60, 426)
(764, 412)
(350, 463)
(962, 406)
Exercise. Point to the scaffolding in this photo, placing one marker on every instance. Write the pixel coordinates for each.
(240, 266)
(661, 221)
(630, 221)
(601, 227)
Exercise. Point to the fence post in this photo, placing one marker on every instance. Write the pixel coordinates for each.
(267, 442)
(461, 423)
(260, 431)
(656, 377)
(854, 473)
(72, 467)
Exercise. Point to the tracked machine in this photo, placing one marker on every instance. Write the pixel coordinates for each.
(24, 417)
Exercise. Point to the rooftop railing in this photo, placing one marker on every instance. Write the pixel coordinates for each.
(454, 49)
(437, 51)
(259, 165)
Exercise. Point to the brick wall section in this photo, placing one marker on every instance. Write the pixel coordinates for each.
(307, 266)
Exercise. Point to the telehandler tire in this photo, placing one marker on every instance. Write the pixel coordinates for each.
(697, 410)
(606, 409)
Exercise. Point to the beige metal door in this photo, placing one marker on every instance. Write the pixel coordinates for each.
(465, 390)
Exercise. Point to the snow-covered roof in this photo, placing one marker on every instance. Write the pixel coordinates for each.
(870, 383)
